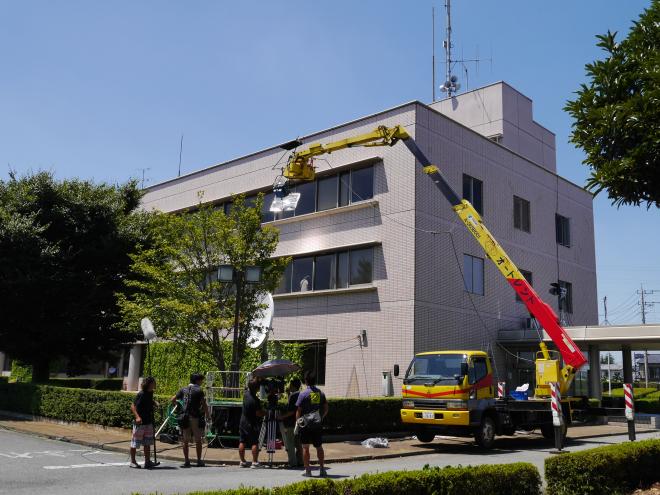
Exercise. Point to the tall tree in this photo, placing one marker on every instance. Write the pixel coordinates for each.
(617, 114)
(64, 250)
(174, 282)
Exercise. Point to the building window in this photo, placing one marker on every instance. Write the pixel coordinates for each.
(337, 270)
(566, 302)
(521, 214)
(563, 230)
(473, 192)
(314, 357)
(362, 184)
(307, 201)
(473, 273)
(301, 276)
(361, 261)
(327, 193)
(529, 278)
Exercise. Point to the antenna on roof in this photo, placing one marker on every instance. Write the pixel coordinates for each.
(451, 84)
(433, 49)
(180, 153)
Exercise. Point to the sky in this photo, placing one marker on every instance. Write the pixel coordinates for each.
(104, 90)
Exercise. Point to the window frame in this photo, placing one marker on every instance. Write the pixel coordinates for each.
(470, 289)
(520, 207)
(563, 230)
(472, 182)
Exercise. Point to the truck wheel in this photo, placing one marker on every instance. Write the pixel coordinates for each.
(425, 436)
(485, 433)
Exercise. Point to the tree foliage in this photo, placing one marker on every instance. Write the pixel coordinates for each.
(174, 281)
(64, 249)
(617, 114)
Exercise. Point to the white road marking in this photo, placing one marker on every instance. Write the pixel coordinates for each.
(94, 465)
(55, 453)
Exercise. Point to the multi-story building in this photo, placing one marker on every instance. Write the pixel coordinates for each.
(382, 268)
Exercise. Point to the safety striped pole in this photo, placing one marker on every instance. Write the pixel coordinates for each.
(557, 416)
(501, 390)
(629, 399)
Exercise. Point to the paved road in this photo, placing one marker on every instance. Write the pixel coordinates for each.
(31, 465)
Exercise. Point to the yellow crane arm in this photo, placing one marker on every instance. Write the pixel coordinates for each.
(300, 164)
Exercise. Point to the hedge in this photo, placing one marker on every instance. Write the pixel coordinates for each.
(172, 363)
(70, 404)
(93, 383)
(113, 408)
(614, 469)
(498, 479)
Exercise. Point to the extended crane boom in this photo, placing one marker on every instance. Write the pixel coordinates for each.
(300, 167)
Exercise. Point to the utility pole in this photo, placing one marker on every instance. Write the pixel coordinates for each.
(606, 321)
(643, 303)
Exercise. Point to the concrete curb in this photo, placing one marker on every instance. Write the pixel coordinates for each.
(210, 462)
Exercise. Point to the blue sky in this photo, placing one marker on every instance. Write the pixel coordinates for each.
(103, 89)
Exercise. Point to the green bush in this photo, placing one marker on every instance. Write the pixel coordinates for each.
(373, 415)
(172, 363)
(615, 469)
(502, 479)
(113, 408)
(71, 404)
(94, 383)
(20, 372)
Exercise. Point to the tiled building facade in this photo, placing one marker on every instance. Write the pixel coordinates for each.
(378, 251)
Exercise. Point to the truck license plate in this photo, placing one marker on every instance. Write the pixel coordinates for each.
(428, 415)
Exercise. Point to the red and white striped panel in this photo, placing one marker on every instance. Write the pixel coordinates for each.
(501, 389)
(555, 404)
(629, 399)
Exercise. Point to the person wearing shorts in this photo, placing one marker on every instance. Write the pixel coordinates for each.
(143, 422)
(250, 425)
(310, 400)
(195, 404)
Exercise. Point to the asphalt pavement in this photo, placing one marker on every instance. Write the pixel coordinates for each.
(30, 464)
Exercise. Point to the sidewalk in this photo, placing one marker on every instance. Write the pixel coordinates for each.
(118, 440)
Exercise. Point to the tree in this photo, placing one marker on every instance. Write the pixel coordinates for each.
(617, 114)
(174, 281)
(64, 249)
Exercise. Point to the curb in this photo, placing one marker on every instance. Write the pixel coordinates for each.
(210, 462)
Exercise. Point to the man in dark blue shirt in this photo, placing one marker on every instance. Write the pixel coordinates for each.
(312, 402)
(197, 409)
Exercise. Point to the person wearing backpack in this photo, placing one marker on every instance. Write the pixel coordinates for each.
(191, 418)
(312, 409)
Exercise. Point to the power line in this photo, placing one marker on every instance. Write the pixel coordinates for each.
(643, 303)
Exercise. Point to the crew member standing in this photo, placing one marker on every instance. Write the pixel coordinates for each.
(197, 410)
(313, 407)
(143, 422)
(250, 425)
(291, 441)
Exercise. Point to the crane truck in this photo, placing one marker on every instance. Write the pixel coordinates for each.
(453, 392)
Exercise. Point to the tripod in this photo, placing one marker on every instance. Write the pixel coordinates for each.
(268, 433)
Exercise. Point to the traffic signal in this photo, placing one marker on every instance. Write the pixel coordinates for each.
(555, 289)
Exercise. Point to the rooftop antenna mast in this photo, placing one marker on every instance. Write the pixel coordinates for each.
(450, 85)
(433, 49)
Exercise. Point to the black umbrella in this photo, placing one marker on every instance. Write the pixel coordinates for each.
(275, 367)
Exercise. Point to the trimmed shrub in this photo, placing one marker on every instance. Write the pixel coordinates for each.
(94, 383)
(614, 469)
(20, 372)
(502, 479)
(373, 415)
(71, 404)
(113, 408)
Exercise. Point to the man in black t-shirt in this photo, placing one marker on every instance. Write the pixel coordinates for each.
(194, 403)
(250, 424)
(143, 422)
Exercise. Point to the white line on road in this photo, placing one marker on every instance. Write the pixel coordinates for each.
(94, 465)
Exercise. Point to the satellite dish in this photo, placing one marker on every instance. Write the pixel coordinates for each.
(147, 329)
(262, 325)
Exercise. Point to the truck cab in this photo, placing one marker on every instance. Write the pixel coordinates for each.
(450, 393)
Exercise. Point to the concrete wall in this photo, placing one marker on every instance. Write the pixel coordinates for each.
(499, 109)
(444, 315)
